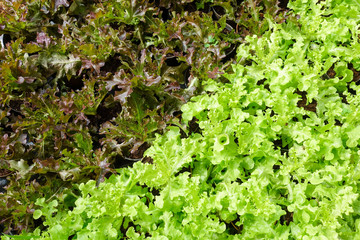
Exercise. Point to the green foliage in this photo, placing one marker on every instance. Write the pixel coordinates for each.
(86, 85)
(275, 156)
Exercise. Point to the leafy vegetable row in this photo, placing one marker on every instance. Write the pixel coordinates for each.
(85, 85)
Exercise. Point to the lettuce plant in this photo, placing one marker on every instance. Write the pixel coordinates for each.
(86, 85)
(276, 155)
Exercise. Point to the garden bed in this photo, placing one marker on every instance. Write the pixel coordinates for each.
(169, 119)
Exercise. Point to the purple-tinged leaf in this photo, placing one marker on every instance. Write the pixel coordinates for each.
(42, 38)
(23, 138)
(143, 56)
(48, 164)
(81, 117)
(119, 80)
(123, 94)
(172, 86)
(66, 105)
(214, 73)
(136, 146)
(21, 80)
(59, 3)
(190, 55)
(151, 80)
(88, 64)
